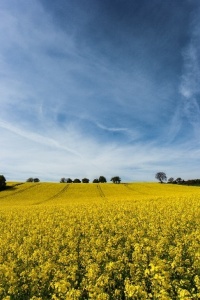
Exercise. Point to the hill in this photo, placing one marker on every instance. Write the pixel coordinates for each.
(63, 193)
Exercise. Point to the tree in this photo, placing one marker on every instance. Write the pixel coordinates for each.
(33, 179)
(29, 179)
(2, 182)
(69, 180)
(36, 180)
(171, 180)
(85, 180)
(179, 180)
(115, 179)
(161, 176)
(63, 180)
(102, 179)
(96, 180)
(77, 180)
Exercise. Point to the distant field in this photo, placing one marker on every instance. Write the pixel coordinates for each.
(99, 241)
(63, 193)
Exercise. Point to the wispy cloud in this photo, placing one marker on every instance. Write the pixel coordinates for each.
(130, 133)
(190, 83)
(38, 138)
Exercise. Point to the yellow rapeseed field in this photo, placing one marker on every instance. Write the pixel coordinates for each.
(99, 241)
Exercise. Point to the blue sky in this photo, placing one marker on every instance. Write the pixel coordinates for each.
(99, 87)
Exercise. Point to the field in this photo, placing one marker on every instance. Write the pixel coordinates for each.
(99, 241)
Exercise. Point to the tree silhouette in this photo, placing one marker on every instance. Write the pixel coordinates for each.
(2, 182)
(85, 180)
(179, 180)
(171, 180)
(102, 179)
(69, 180)
(161, 176)
(77, 180)
(30, 179)
(36, 180)
(63, 180)
(96, 180)
(115, 179)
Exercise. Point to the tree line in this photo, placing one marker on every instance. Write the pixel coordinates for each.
(162, 177)
(101, 179)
